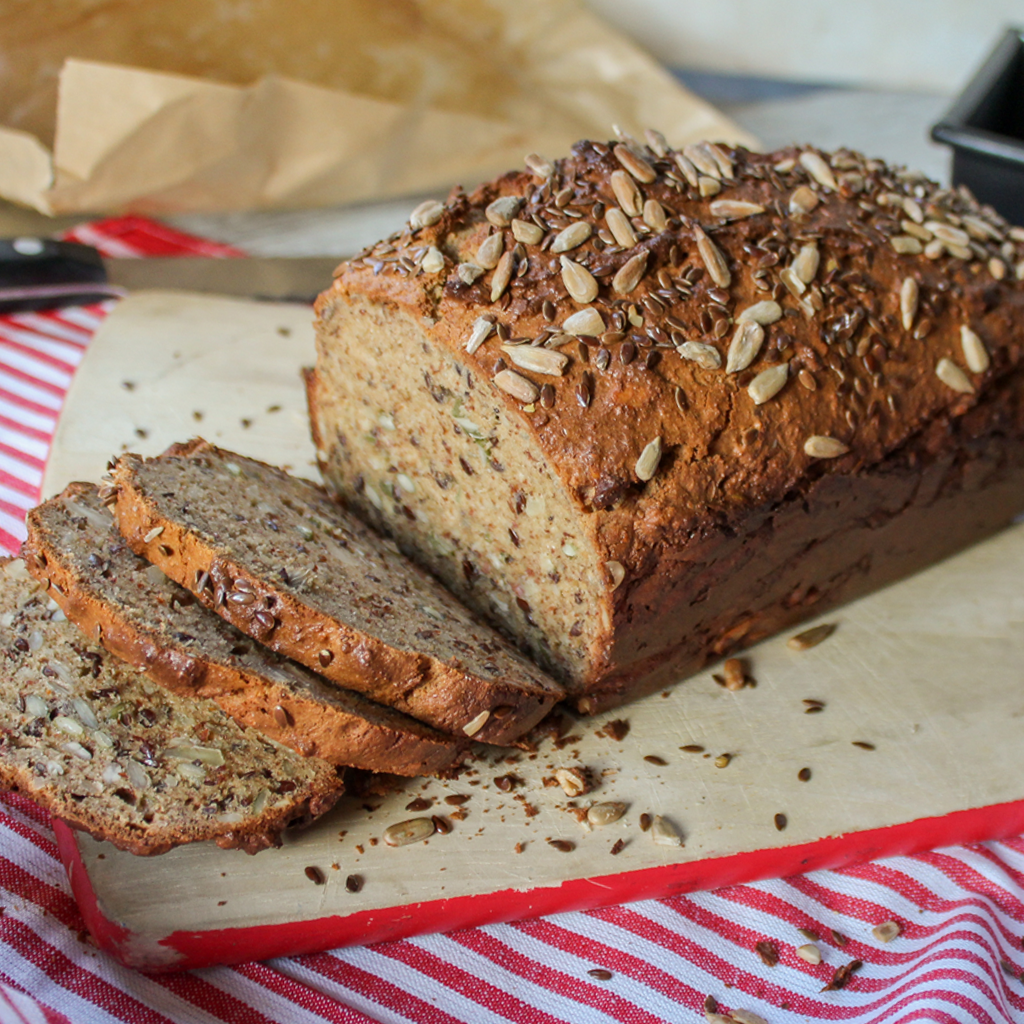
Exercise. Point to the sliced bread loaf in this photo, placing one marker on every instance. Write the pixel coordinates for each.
(134, 610)
(97, 744)
(279, 559)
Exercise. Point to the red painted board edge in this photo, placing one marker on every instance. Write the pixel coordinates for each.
(261, 942)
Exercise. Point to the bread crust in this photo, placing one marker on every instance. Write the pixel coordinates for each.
(868, 344)
(307, 717)
(442, 694)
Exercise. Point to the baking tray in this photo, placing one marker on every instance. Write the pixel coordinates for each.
(985, 128)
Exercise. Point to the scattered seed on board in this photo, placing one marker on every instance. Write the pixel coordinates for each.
(562, 845)
(606, 812)
(414, 830)
(735, 677)
(804, 775)
(315, 875)
(887, 931)
(645, 822)
(864, 745)
(767, 952)
(664, 833)
(811, 637)
(781, 821)
(354, 883)
(722, 760)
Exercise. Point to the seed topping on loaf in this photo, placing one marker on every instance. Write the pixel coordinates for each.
(754, 299)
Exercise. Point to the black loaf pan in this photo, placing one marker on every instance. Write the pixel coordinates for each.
(985, 127)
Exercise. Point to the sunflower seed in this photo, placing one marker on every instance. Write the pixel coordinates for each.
(713, 259)
(630, 273)
(699, 156)
(768, 383)
(637, 166)
(414, 830)
(722, 160)
(656, 141)
(805, 266)
(734, 209)
(587, 323)
(627, 193)
(809, 952)
(689, 172)
(764, 313)
(502, 210)
(426, 215)
(907, 245)
(620, 227)
(705, 356)
(818, 446)
(803, 200)
(469, 273)
(887, 931)
(502, 275)
(820, 171)
(975, 354)
(951, 375)
(539, 360)
(481, 331)
(997, 268)
(490, 250)
(517, 386)
(572, 236)
(664, 833)
(947, 233)
(747, 1017)
(579, 282)
(616, 573)
(433, 261)
(811, 637)
(647, 464)
(708, 187)
(573, 781)
(536, 164)
(605, 813)
(152, 534)
(910, 294)
(745, 345)
(526, 232)
(654, 215)
(794, 285)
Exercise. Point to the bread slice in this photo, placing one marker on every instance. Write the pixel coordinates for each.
(136, 612)
(279, 559)
(97, 744)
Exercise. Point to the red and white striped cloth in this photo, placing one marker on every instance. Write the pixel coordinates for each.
(958, 958)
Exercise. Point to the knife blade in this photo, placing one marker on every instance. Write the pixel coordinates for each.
(42, 273)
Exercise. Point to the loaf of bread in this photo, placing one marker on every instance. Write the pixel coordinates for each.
(97, 744)
(281, 561)
(642, 406)
(137, 613)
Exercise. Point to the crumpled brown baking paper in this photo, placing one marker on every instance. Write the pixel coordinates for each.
(160, 106)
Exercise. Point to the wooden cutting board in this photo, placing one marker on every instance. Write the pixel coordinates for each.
(917, 745)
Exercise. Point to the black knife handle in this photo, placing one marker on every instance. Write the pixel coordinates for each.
(42, 273)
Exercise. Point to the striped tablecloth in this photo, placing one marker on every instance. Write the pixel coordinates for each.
(958, 956)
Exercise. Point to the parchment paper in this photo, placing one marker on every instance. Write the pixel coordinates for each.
(160, 106)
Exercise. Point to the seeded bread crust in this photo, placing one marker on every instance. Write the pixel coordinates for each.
(276, 557)
(719, 480)
(75, 550)
(98, 745)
